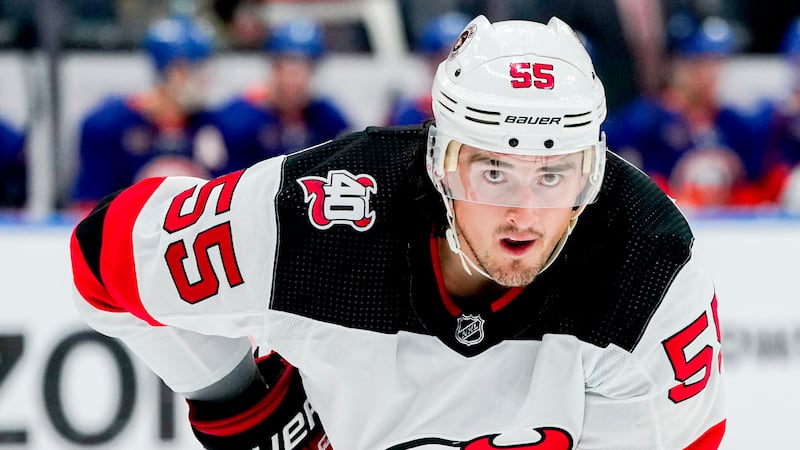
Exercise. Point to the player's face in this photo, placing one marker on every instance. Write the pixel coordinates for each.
(291, 83)
(186, 83)
(699, 76)
(527, 181)
(511, 244)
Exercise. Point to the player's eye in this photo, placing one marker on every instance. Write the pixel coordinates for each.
(494, 176)
(551, 179)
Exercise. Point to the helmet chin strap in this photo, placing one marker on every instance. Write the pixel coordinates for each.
(596, 181)
(561, 242)
(455, 244)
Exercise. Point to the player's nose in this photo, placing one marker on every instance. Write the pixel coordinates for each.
(523, 218)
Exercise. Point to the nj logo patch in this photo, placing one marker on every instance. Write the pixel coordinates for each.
(341, 198)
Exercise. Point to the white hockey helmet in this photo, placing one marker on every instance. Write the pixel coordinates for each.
(521, 89)
(526, 96)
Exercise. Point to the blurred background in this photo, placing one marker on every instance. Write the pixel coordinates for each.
(703, 95)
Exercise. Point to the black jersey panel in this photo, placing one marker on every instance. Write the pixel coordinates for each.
(343, 275)
(604, 287)
(618, 263)
(89, 233)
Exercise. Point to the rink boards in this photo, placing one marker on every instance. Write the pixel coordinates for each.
(63, 386)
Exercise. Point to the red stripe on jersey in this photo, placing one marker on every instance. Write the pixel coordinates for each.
(501, 302)
(451, 307)
(117, 264)
(247, 420)
(710, 440)
(437, 269)
(87, 284)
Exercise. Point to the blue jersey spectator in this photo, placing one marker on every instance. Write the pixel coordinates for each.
(699, 151)
(13, 167)
(784, 128)
(284, 115)
(129, 137)
(788, 126)
(435, 41)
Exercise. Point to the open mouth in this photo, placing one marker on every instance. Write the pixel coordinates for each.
(516, 246)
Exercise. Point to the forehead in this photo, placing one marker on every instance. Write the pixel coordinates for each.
(473, 154)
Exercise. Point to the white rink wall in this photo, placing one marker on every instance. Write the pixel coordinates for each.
(91, 395)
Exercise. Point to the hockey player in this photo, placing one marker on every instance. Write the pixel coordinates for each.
(284, 115)
(784, 127)
(701, 152)
(494, 280)
(129, 137)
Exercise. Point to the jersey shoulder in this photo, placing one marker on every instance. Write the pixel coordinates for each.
(111, 113)
(619, 262)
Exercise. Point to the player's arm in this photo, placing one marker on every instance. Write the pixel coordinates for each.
(112, 296)
(668, 391)
(133, 258)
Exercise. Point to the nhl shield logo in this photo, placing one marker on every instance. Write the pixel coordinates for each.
(469, 330)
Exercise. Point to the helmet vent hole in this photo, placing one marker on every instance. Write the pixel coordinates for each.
(448, 97)
(549, 143)
(483, 111)
(485, 122)
(447, 107)
(513, 142)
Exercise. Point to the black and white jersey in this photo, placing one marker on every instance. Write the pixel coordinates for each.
(326, 257)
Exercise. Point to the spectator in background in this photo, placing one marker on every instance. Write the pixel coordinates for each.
(283, 115)
(699, 151)
(13, 168)
(785, 128)
(164, 130)
(433, 44)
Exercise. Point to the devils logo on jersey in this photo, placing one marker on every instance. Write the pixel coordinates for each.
(549, 438)
(341, 198)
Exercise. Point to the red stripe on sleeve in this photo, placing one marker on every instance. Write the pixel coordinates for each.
(248, 419)
(87, 284)
(117, 264)
(710, 440)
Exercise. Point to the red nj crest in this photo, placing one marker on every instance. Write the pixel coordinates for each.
(340, 198)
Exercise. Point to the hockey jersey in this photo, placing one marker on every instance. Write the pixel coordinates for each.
(253, 130)
(659, 136)
(411, 110)
(13, 166)
(119, 145)
(327, 257)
